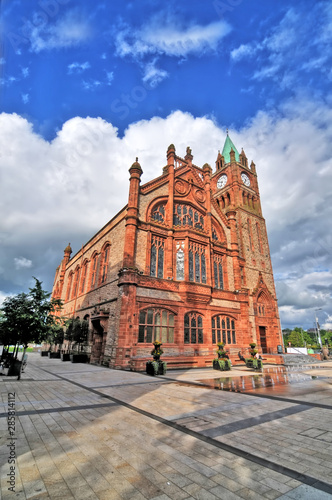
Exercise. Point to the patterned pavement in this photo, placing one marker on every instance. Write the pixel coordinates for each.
(75, 431)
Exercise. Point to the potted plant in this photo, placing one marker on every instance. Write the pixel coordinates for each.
(77, 333)
(253, 362)
(156, 367)
(222, 362)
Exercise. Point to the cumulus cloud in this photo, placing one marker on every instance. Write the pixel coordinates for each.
(53, 193)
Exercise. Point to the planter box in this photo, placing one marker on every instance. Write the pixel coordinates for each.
(44, 353)
(79, 358)
(52, 355)
(65, 356)
(14, 368)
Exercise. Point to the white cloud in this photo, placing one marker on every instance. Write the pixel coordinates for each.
(289, 52)
(166, 35)
(25, 72)
(69, 30)
(77, 67)
(153, 75)
(25, 98)
(22, 262)
(52, 191)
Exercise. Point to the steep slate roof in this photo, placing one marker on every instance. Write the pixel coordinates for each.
(227, 149)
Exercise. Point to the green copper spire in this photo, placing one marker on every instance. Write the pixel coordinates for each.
(227, 149)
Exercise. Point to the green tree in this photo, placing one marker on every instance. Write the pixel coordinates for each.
(28, 317)
(296, 337)
(77, 331)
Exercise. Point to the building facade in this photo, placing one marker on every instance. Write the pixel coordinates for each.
(186, 262)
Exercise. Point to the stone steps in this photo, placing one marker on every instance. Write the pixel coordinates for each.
(299, 359)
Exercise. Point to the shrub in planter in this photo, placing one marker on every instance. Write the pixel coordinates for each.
(222, 362)
(65, 356)
(156, 367)
(44, 353)
(52, 355)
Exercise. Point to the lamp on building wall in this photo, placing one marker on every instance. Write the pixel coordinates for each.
(318, 328)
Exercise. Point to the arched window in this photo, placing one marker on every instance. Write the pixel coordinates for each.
(157, 257)
(197, 266)
(185, 215)
(223, 330)
(158, 213)
(70, 280)
(75, 283)
(84, 275)
(193, 328)
(104, 263)
(94, 265)
(156, 324)
(218, 272)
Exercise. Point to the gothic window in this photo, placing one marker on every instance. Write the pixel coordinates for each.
(259, 238)
(223, 330)
(157, 257)
(94, 270)
(83, 276)
(185, 215)
(156, 324)
(193, 328)
(75, 284)
(197, 265)
(158, 213)
(70, 280)
(180, 260)
(214, 235)
(218, 272)
(104, 263)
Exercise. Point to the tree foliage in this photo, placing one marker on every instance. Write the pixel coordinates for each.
(28, 317)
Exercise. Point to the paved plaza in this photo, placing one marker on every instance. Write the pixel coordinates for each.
(75, 431)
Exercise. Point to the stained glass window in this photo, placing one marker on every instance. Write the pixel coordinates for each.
(104, 257)
(197, 264)
(158, 213)
(184, 215)
(157, 257)
(218, 272)
(180, 261)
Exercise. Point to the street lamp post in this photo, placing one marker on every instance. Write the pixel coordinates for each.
(317, 328)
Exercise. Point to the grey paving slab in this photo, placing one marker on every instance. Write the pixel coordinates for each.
(89, 432)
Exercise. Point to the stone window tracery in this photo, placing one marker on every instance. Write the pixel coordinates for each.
(156, 324)
(193, 328)
(75, 284)
(83, 276)
(185, 215)
(157, 257)
(197, 264)
(223, 330)
(158, 213)
(104, 263)
(218, 272)
(94, 270)
(70, 280)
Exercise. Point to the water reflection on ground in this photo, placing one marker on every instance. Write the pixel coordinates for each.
(277, 378)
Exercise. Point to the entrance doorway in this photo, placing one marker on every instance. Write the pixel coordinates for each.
(262, 335)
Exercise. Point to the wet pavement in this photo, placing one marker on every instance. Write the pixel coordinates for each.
(87, 432)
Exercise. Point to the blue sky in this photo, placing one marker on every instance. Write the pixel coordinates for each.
(87, 86)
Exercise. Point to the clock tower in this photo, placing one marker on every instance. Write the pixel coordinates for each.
(235, 190)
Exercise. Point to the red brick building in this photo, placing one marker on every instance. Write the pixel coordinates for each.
(187, 262)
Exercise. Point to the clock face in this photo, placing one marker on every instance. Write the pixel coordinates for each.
(245, 179)
(222, 181)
